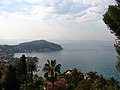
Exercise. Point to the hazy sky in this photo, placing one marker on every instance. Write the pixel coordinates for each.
(54, 19)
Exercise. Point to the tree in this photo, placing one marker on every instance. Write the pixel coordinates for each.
(100, 82)
(52, 70)
(24, 65)
(73, 77)
(21, 68)
(113, 82)
(32, 67)
(12, 82)
(76, 76)
(112, 20)
(93, 76)
(1, 74)
(118, 2)
(84, 85)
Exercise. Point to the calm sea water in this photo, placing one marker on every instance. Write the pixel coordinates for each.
(99, 56)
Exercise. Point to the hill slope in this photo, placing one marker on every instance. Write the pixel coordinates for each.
(33, 46)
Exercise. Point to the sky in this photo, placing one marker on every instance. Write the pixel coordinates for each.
(54, 19)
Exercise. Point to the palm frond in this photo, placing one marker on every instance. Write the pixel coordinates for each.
(48, 62)
(46, 75)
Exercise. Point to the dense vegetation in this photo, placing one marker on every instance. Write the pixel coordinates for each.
(19, 76)
(112, 20)
(34, 46)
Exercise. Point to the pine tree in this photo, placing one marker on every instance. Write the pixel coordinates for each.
(112, 20)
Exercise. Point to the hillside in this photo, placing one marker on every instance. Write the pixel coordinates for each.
(33, 46)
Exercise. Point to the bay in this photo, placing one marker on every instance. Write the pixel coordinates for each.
(88, 55)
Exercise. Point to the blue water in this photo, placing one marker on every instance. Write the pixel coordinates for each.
(99, 56)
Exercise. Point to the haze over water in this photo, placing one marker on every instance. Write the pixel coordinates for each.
(99, 56)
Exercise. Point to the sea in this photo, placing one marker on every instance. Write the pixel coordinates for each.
(85, 55)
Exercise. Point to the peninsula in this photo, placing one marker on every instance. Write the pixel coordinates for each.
(33, 46)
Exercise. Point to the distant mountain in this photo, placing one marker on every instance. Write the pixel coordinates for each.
(33, 46)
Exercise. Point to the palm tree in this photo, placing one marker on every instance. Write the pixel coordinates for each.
(73, 77)
(52, 70)
(31, 66)
(76, 76)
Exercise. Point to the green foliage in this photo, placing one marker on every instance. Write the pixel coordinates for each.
(73, 77)
(99, 84)
(84, 85)
(114, 13)
(31, 64)
(1, 70)
(117, 47)
(74, 80)
(113, 82)
(110, 22)
(93, 76)
(112, 19)
(77, 76)
(12, 82)
(118, 2)
(24, 65)
(19, 68)
(52, 70)
(31, 67)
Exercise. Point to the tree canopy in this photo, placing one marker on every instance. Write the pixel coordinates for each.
(112, 19)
